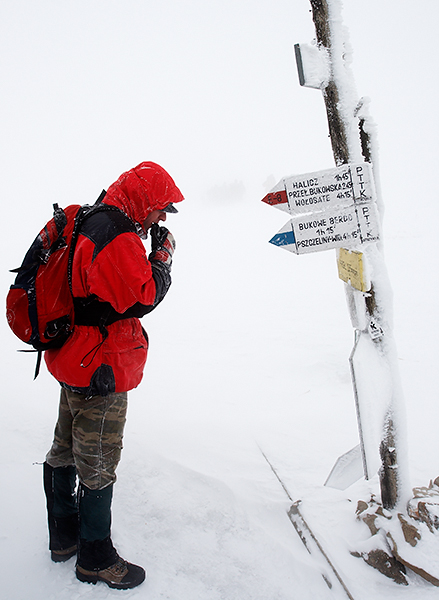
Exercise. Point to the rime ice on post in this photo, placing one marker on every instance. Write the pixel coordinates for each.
(340, 208)
(351, 143)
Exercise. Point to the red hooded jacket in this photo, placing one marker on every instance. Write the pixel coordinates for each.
(110, 264)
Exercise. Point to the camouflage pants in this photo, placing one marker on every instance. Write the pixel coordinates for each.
(88, 434)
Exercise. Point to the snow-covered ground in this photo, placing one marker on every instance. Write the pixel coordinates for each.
(249, 352)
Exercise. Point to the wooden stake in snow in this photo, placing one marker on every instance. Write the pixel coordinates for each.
(352, 141)
(309, 538)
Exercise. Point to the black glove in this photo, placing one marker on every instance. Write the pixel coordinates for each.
(162, 244)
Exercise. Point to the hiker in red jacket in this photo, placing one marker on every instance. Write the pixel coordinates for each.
(114, 283)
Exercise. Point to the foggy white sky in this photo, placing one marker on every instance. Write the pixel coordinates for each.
(209, 89)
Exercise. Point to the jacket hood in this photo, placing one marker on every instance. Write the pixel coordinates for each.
(143, 189)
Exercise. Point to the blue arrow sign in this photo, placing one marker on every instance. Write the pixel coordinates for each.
(284, 238)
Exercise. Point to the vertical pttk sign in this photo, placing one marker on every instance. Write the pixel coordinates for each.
(330, 209)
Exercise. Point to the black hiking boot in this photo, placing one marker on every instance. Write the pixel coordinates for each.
(99, 561)
(63, 555)
(120, 576)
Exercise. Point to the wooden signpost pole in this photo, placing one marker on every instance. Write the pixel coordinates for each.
(346, 147)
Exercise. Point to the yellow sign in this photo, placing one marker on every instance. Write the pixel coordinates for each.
(351, 270)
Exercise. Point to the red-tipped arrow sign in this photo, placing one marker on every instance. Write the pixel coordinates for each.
(278, 199)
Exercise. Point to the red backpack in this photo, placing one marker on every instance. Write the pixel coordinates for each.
(39, 305)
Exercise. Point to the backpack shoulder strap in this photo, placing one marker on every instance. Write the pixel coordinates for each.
(87, 211)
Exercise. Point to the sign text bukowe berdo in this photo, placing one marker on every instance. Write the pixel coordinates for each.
(330, 209)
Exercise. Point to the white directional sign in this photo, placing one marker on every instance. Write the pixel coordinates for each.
(330, 209)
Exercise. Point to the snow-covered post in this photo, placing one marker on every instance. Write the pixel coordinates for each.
(352, 138)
